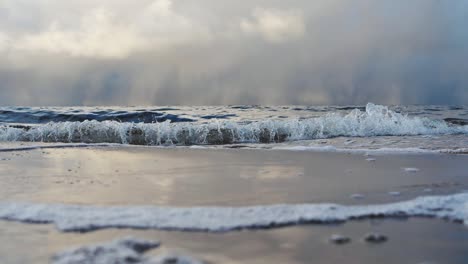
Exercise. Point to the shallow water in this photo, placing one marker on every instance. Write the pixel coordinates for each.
(135, 176)
(222, 177)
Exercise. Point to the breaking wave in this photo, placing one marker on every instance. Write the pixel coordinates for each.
(375, 120)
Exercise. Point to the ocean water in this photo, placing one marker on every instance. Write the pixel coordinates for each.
(371, 129)
(323, 128)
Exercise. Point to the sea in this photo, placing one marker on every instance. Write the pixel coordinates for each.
(366, 128)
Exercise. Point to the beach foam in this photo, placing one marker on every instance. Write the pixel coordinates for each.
(12, 146)
(412, 170)
(373, 151)
(122, 251)
(219, 219)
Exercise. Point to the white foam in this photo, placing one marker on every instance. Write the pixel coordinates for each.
(339, 239)
(377, 120)
(364, 151)
(127, 250)
(197, 147)
(55, 146)
(357, 196)
(86, 218)
(369, 151)
(413, 170)
(122, 251)
(324, 149)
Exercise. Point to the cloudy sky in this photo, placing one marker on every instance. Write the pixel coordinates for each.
(211, 52)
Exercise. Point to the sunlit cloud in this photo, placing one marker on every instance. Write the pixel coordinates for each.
(275, 25)
(97, 36)
(102, 33)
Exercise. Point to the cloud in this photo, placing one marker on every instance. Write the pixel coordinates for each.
(122, 52)
(104, 33)
(97, 36)
(275, 25)
(4, 41)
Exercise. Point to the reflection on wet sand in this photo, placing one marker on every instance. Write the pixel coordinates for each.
(186, 177)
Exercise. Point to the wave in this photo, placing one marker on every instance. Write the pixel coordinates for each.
(41, 116)
(221, 219)
(376, 120)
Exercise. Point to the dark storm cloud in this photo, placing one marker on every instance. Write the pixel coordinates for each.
(233, 52)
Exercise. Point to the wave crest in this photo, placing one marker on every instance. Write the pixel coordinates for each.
(376, 120)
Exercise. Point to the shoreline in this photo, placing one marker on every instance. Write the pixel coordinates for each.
(187, 177)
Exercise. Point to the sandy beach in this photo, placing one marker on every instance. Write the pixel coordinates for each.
(237, 177)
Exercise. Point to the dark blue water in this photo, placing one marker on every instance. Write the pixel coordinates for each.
(42, 115)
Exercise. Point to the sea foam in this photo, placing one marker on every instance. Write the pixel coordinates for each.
(221, 219)
(127, 250)
(376, 120)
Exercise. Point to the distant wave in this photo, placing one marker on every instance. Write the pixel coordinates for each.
(42, 116)
(375, 120)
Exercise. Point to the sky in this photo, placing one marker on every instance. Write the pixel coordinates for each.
(216, 52)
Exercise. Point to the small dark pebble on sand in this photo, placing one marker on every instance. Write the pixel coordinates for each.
(375, 238)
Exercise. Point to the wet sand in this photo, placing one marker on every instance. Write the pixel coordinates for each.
(237, 177)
